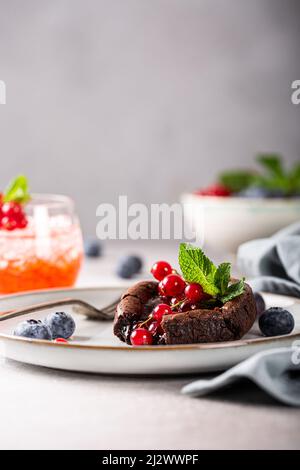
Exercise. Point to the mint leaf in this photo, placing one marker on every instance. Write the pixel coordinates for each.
(276, 177)
(222, 277)
(196, 267)
(234, 290)
(17, 190)
(236, 180)
(272, 163)
(274, 183)
(295, 178)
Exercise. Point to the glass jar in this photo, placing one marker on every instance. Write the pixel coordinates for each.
(48, 252)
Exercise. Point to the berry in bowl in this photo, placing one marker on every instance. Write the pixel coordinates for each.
(40, 240)
(244, 205)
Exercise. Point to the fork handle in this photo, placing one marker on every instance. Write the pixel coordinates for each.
(90, 310)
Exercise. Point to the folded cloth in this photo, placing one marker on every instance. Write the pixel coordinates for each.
(273, 262)
(276, 371)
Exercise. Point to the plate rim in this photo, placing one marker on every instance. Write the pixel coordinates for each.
(195, 346)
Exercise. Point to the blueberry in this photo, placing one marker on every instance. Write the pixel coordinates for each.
(128, 266)
(256, 191)
(252, 192)
(33, 329)
(260, 303)
(276, 321)
(92, 248)
(276, 193)
(61, 324)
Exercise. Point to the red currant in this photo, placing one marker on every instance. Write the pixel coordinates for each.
(8, 224)
(161, 269)
(214, 190)
(12, 216)
(193, 292)
(22, 223)
(140, 337)
(155, 328)
(173, 285)
(161, 310)
(12, 210)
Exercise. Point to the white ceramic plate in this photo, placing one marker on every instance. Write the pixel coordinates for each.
(94, 348)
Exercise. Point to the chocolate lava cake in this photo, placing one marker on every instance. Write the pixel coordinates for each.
(206, 323)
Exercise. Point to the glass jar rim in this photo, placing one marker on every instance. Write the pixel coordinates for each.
(43, 206)
(51, 201)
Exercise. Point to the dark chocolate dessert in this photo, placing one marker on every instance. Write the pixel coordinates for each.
(179, 310)
(228, 322)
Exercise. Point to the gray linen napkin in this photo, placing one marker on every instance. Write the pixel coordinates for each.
(273, 262)
(276, 371)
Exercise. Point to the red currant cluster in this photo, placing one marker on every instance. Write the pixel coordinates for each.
(12, 215)
(176, 296)
(214, 190)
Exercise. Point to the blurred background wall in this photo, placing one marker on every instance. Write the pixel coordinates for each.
(147, 98)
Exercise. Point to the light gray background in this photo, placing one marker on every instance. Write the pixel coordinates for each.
(144, 98)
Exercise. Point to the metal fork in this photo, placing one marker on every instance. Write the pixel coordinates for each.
(82, 307)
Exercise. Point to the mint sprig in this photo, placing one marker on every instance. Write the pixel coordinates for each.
(237, 180)
(272, 163)
(294, 176)
(222, 277)
(17, 190)
(274, 176)
(215, 281)
(196, 267)
(232, 291)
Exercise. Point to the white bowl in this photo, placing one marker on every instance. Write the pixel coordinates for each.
(223, 223)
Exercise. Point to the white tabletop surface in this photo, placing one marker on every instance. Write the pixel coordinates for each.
(42, 408)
